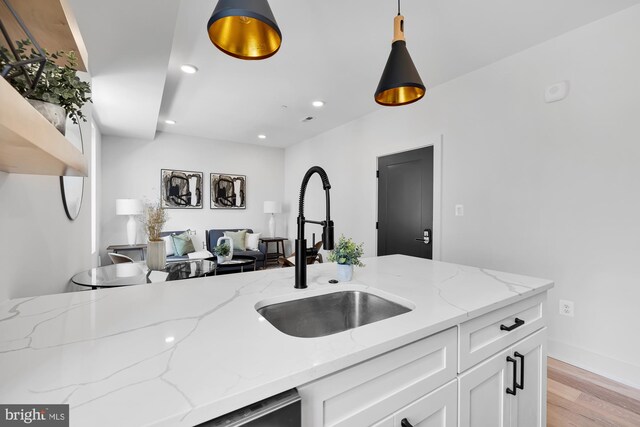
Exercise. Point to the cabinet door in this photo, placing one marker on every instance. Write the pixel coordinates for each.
(482, 396)
(437, 409)
(529, 407)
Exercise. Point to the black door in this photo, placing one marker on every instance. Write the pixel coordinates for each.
(405, 203)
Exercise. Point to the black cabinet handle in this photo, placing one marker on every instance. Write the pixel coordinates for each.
(405, 423)
(521, 357)
(519, 322)
(515, 384)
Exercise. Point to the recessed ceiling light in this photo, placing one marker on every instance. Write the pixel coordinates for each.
(318, 104)
(189, 69)
(262, 136)
(170, 122)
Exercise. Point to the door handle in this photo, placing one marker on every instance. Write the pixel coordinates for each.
(521, 357)
(426, 236)
(519, 322)
(405, 423)
(514, 385)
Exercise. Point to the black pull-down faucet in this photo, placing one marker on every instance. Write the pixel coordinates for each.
(327, 226)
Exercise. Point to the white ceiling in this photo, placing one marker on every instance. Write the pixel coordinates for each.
(332, 50)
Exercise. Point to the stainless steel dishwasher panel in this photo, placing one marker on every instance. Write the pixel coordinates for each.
(281, 410)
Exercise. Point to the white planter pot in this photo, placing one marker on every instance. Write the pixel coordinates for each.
(345, 272)
(55, 114)
(156, 255)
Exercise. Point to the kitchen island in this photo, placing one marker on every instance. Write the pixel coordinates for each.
(181, 353)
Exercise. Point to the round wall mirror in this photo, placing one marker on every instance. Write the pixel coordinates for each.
(72, 187)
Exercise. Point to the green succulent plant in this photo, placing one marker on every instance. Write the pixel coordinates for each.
(347, 251)
(57, 85)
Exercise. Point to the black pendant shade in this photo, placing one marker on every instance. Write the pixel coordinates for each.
(245, 29)
(400, 83)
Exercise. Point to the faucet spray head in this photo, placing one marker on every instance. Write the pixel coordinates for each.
(327, 236)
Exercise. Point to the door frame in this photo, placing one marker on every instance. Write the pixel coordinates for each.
(436, 142)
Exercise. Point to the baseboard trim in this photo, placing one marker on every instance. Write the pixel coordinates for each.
(613, 369)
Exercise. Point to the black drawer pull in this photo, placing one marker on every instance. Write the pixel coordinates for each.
(405, 423)
(519, 322)
(515, 384)
(521, 357)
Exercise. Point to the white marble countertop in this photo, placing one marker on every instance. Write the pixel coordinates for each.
(181, 353)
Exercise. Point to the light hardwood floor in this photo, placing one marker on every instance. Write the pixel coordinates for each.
(576, 397)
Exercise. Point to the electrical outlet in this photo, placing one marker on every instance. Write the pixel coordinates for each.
(566, 308)
(459, 210)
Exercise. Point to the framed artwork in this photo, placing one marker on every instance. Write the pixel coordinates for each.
(228, 191)
(181, 189)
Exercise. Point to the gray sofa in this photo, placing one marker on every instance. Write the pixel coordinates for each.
(211, 238)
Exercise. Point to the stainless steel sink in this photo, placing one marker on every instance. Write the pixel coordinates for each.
(328, 314)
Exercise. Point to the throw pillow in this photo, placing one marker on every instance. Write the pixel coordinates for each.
(183, 244)
(251, 241)
(168, 245)
(238, 239)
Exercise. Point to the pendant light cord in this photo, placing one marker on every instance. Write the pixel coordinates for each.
(398, 7)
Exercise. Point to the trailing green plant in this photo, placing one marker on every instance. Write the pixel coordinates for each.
(347, 251)
(154, 218)
(58, 84)
(222, 249)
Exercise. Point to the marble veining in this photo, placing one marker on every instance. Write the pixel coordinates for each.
(183, 352)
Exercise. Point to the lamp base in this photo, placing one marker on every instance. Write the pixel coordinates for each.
(272, 226)
(131, 230)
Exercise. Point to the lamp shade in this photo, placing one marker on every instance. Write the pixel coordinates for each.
(128, 207)
(245, 29)
(272, 207)
(400, 83)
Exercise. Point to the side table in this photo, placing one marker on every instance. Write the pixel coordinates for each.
(123, 248)
(273, 257)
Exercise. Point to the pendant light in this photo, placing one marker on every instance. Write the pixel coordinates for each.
(400, 83)
(244, 29)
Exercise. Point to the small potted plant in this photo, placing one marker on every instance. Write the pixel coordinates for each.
(59, 92)
(222, 252)
(154, 218)
(347, 254)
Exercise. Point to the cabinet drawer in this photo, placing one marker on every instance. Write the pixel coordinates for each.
(372, 390)
(437, 409)
(481, 337)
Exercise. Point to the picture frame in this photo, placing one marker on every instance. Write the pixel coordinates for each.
(181, 189)
(228, 191)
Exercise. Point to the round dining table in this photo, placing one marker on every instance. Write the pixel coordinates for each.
(137, 273)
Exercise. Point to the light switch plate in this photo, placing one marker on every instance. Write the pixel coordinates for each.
(459, 210)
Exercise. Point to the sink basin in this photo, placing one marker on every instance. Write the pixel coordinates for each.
(328, 314)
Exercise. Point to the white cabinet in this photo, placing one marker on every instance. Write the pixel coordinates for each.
(508, 389)
(458, 377)
(436, 409)
(372, 392)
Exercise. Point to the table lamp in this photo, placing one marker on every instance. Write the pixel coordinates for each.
(131, 207)
(271, 207)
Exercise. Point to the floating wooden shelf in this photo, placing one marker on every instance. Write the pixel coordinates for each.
(52, 24)
(29, 144)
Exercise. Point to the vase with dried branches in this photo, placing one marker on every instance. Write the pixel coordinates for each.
(153, 220)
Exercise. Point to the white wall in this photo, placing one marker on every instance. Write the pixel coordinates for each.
(550, 190)
(41, 248)
(131, 169)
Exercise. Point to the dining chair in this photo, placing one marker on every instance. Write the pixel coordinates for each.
(119, 259)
